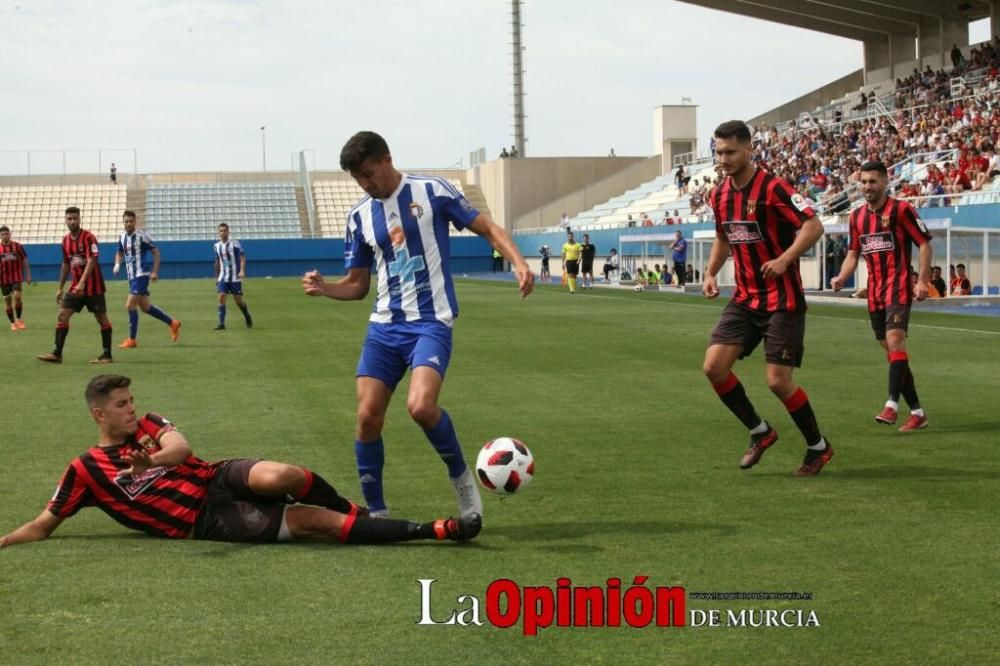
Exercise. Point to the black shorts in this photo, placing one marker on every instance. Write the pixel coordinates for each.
(545, 265)
(783, 333)
(572, 267)
(6, 289)
(234, 513)
(95, 304)
(892, 317)
(587, 266)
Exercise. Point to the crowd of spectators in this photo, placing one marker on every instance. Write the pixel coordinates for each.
(823, 160)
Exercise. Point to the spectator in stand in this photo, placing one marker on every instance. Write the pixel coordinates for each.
(646, 221)
(630, 222)
(938, 288)
(956, 56)
(513, 151)
(960, 284)
(677, 217)
(612, 153)
(504, 154)
(681, 179)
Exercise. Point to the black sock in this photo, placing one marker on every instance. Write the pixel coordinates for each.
(734, 396)
(802, 413)
(898, 367)
(910, 390)
(106, 339)
(246, 312)
(61, 333)
(386, 530)
(10, 315)
(18, 307)
(320, 493)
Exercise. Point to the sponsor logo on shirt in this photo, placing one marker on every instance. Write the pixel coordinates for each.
(742, 232)
(875, 243)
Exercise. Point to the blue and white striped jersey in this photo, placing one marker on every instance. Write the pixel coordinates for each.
(405, 237)
(134, 248)
(229, 254)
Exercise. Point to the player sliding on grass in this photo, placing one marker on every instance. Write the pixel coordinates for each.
(401, 230)
(766, 226)
(144, 475)
(883, 231)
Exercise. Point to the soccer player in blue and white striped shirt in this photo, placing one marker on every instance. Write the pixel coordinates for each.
(133, 246)
(231, 268)
(401, 231)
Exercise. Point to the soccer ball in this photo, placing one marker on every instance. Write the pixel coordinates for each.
(505, 465)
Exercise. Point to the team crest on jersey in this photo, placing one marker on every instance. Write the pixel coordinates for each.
(416, 210)
(886, 221)
(799, 201)
(742, 232)
(751, 207)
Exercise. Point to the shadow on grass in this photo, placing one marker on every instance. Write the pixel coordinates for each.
(907, 472)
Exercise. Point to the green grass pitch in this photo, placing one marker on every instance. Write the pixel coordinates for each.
(636, 474)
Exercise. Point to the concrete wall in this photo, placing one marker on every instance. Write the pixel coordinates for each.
(514, 187)
(810, 101)
(585, 198)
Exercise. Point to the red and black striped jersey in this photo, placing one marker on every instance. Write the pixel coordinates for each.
(12, 257)
(163, 501)
(884, 238)
(760, 221)
(76, 252)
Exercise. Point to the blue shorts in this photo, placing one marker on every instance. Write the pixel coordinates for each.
(390, 349)
(225, 287)
(139, 286)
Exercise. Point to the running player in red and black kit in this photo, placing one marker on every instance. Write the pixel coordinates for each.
(80, 252)
(144, 475)
(883, 231)
(766, 226)
(13, 270)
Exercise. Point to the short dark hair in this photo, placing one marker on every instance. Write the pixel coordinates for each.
(959, 265)
(101, 386)
(73, 209)
(128, 213)
(4, 228)
(223, 224)
(733, 129)
(360, 147)
(875, 165)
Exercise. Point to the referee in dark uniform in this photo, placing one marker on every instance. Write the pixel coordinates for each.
(587, 252)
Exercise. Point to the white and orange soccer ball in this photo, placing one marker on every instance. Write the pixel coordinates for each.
(505, 465)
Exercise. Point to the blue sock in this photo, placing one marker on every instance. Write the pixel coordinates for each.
(154, 311)
(445, 442)
(133, 323)
(371, 459)
(222, 315)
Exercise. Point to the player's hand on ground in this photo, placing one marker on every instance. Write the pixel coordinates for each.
(837, 283)
(921, 291)
(139, 461)
(710, 288)
(774, 268)
(525, 280)
(313, 284)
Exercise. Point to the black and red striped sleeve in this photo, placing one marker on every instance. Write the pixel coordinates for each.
(154, 426)
(71, 495)
(912, 225)
(789, 204)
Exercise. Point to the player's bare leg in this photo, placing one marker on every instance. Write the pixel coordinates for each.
(373, 401)
(422, 404)
(718, 368)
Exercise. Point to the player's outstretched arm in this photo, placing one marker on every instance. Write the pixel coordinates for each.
(352, 287)
(501, 240)
(36, 530)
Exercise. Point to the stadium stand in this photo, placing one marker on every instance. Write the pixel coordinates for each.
(36, 214)
(192, 211)
(334, 199)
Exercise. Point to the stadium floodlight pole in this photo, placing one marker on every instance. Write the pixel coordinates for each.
(517, 52)
(263, 148)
